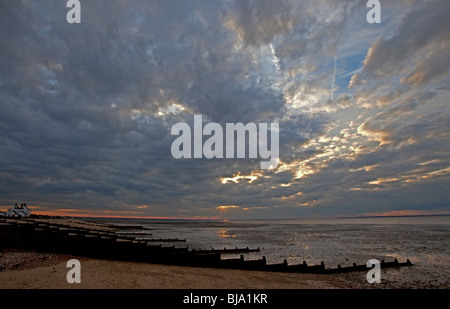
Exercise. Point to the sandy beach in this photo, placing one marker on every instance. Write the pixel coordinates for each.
(32, 270)
(29, 269)
(42, 270)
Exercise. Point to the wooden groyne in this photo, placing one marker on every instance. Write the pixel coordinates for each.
(227, 251)
(110, 242)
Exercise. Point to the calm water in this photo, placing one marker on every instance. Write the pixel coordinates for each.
(423, 240)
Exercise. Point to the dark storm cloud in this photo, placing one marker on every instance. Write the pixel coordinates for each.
(86, 109)
(68, 93)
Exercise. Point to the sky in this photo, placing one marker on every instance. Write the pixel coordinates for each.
(86, 110)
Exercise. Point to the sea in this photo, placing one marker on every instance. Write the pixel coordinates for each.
(424, 240)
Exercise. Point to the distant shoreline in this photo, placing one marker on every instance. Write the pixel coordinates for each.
(405, 216)
(38, 216)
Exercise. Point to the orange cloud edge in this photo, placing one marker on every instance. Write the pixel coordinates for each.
(406, 213)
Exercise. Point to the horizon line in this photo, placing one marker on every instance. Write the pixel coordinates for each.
(247, 219)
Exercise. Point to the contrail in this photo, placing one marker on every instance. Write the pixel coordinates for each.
(271, 47)
(334, 78)
(276, 60)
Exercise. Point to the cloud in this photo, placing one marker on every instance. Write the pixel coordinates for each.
(86, 110)
(258, 22)
(424, 30)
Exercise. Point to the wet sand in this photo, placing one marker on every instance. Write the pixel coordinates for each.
(31, 270)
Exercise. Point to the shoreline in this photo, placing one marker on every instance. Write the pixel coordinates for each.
(36, 270)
